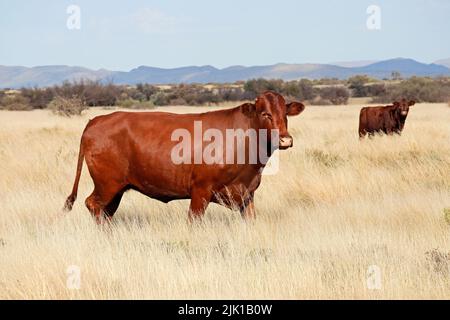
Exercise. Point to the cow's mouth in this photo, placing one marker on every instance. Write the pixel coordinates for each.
(285, 143)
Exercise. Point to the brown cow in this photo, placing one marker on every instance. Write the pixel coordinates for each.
(388, 119)
(141, 151)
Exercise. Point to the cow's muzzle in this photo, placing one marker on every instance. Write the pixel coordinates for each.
(286, 142)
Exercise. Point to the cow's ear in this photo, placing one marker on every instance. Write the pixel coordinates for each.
(396, 104)
(411, 103)
(248, 109)
(294, 108)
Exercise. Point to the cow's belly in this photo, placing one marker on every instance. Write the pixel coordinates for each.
(167, 184)
(161, 180)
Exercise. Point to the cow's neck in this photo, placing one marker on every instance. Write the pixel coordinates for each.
(401, 122)
(397, 118)
(246, 121)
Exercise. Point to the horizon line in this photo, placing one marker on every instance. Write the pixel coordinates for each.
(336, 63)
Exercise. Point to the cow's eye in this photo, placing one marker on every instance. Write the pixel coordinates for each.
(267, 115)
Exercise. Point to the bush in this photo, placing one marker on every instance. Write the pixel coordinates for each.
(145, 96)
(136, 104)
(67, 106)
(300, 90)
(257, 86)
(318, 101)
(146, 90)
(37, 98)
(376, 90)
(335, 95)
(417, 89)
(96, 94)
(160, 99)
(358, 85)
(15, 102)
(92, 93)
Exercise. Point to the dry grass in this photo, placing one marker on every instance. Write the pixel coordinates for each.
(337, 207)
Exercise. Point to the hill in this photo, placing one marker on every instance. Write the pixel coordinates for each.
(42, 76)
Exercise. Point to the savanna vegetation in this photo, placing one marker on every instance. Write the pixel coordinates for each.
(146, 96)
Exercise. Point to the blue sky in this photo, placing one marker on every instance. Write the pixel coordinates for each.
(121, 35)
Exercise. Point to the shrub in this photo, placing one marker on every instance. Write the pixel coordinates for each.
(96, 94)
(127, 103)
(92, 93)
(255, 87)
(376, 90)
(146, 90)
(301, 90)
(358, 85)
(178, 102)
(136, 104)
(67, 106)
(328, 82)
(15, 102)
(318, 101)
(335, 95)
(160, 99)
(37, 98)
(232, 94)
(418, 89)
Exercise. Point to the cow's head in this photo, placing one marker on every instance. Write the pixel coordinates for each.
(402, 107)
(271, 111)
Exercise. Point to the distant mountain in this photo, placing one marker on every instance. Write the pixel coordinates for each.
(43, 76)
(16, 77)
(352, 64)
(444, 62)
(163, 76)
(406, 67)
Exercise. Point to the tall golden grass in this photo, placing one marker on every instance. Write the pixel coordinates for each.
(337, 207)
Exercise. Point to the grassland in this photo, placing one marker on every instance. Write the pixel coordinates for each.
(337, 207)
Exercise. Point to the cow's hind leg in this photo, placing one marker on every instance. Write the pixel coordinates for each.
(102, 201)
(112, 206)
(95, 207)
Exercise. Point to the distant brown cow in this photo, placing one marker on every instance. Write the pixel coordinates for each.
(142, 151)
(388, 119)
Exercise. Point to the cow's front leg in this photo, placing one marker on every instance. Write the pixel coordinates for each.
(200, 198)
(248, 209)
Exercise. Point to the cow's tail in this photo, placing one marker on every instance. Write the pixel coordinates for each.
(73, 196)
